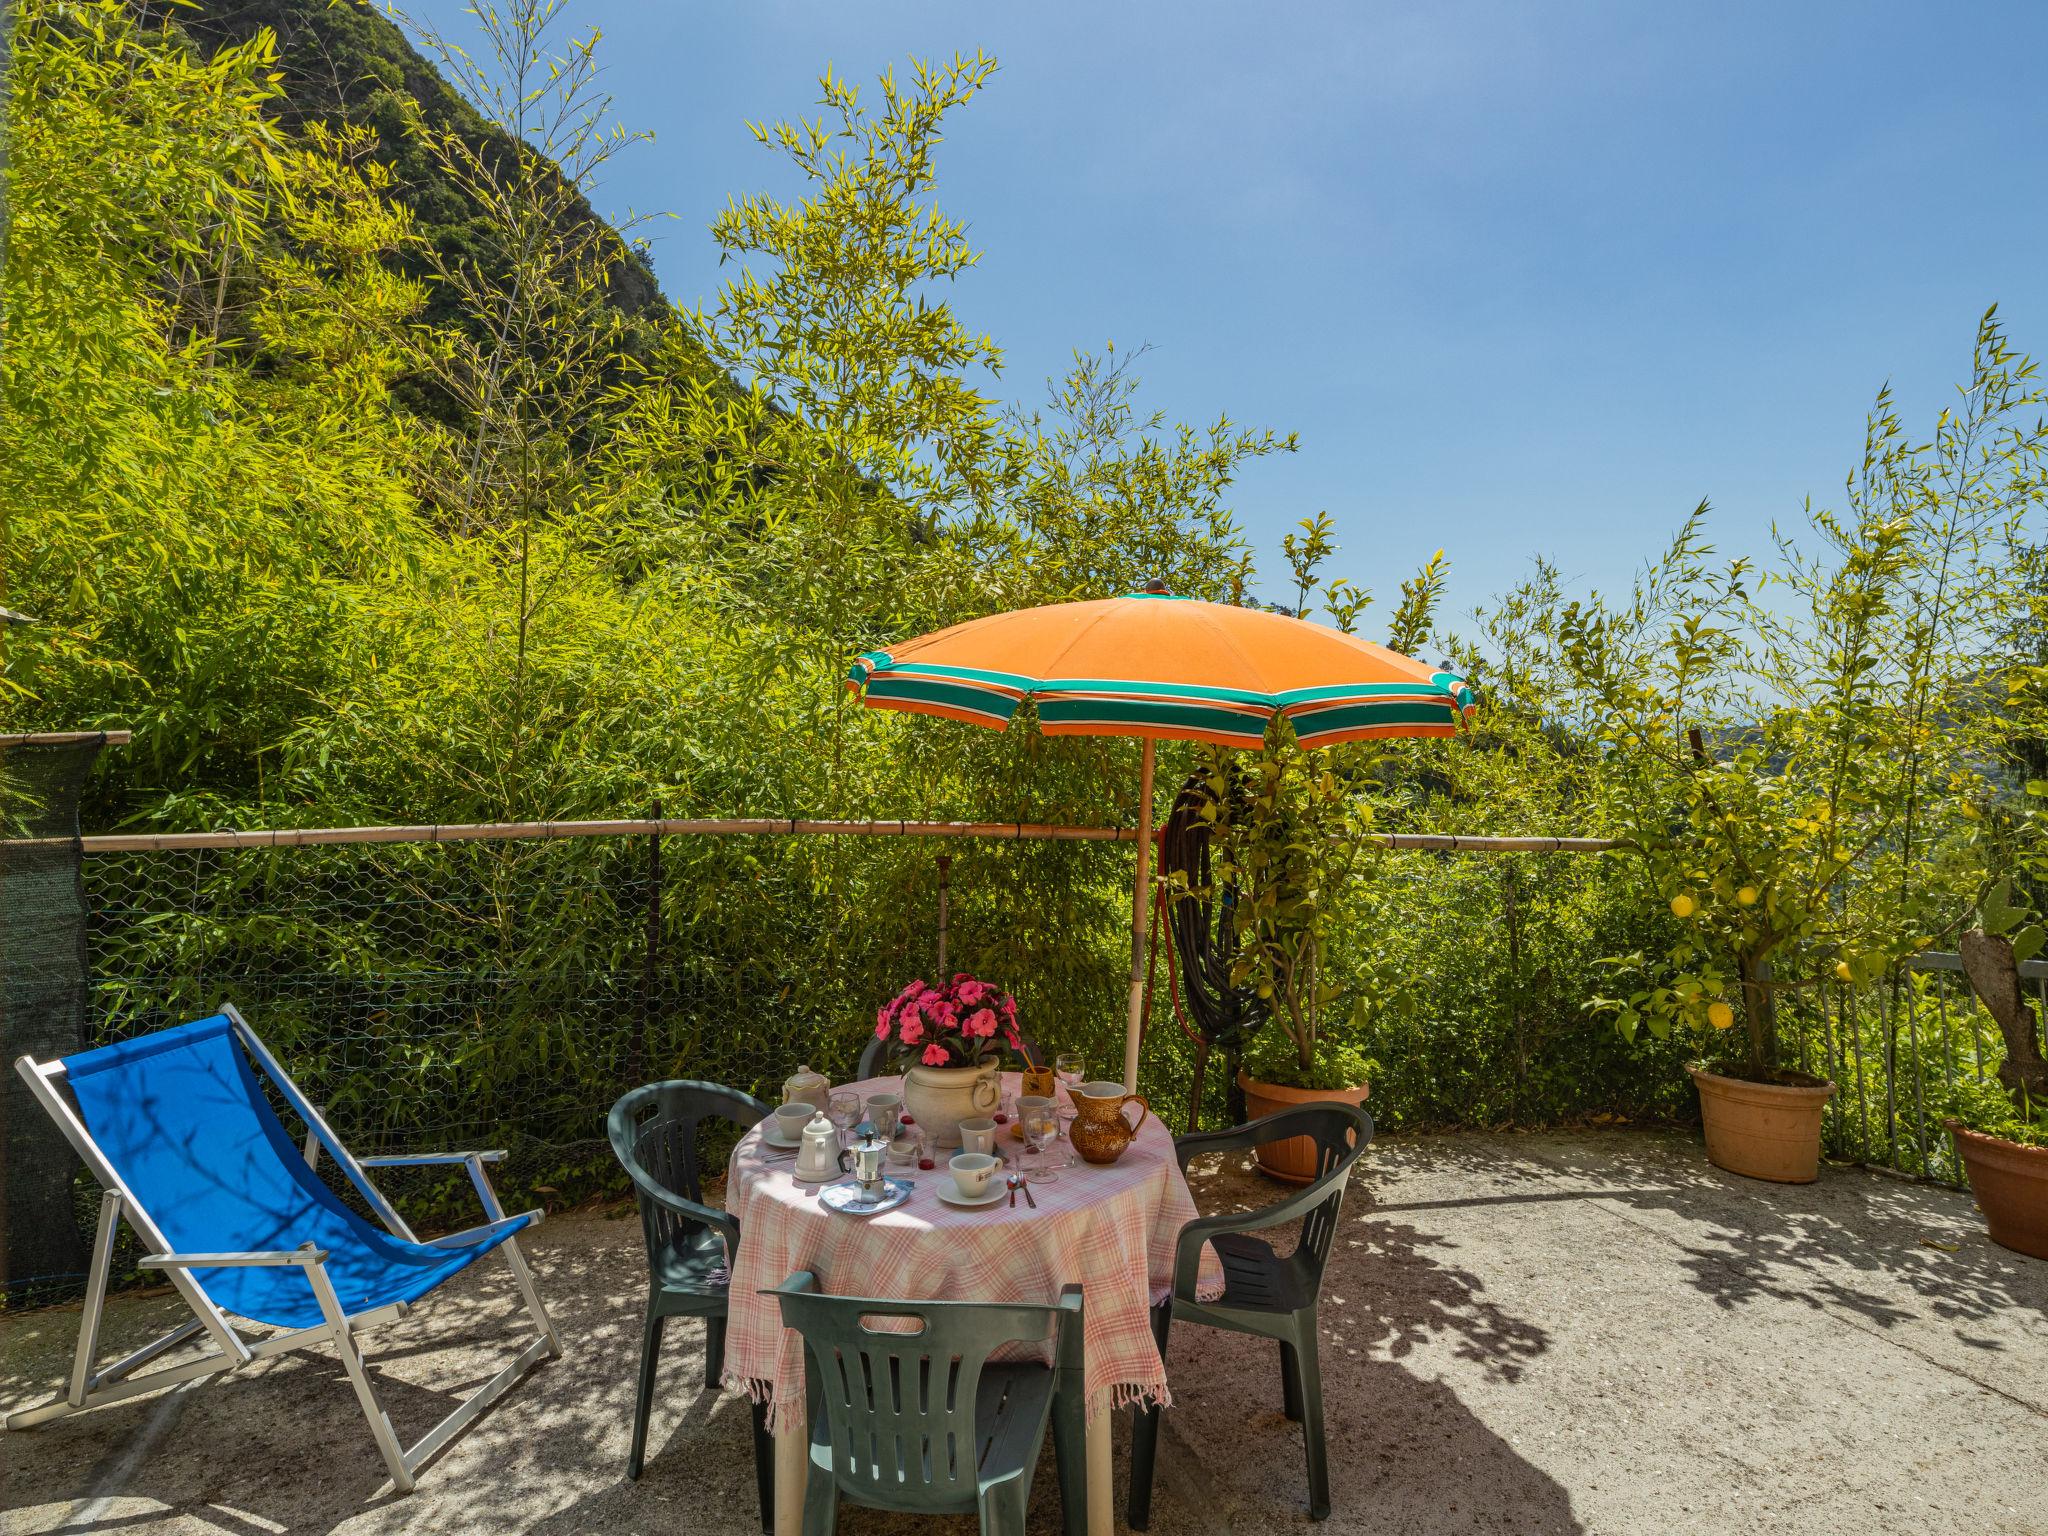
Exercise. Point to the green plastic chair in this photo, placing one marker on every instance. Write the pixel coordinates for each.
(920, 1422)
(690, 1245)
(1264, 1293)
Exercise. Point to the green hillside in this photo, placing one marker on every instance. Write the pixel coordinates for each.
(342, 60)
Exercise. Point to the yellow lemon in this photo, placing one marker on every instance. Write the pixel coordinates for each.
(1747, 895)
(1720, 1015)
(1682, 906)
(1842, 971)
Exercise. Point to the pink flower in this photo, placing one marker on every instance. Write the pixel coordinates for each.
(912, 1029)
(882, 1024)
(972, 992)
(935, 1055)
(1012, 1039)
(981, 1023)
(1009, 1007)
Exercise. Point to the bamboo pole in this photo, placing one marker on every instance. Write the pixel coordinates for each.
(67, 738)
(746, 826)
(1141, 907)
(470, 832)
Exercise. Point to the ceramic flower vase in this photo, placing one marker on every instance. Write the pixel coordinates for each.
(939, 1098)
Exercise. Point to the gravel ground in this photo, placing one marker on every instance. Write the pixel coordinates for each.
(1563, 1333)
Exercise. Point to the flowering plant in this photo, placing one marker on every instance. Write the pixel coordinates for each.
(959, 1024)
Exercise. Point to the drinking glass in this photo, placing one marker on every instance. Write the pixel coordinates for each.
(1041, 1126)
(844, 1111)
(1069, 1068)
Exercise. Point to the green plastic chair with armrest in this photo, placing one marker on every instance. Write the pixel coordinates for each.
(1264, 1293)
(690, 1245)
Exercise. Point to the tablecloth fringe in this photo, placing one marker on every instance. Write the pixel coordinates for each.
(756, 1389)
(1136, 1395)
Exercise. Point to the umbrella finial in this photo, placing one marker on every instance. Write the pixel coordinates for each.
(1156, 584)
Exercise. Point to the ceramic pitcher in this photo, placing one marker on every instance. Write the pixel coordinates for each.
(1100, 1132)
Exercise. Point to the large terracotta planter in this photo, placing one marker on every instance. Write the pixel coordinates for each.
(2011, 1185)
(1763, 1130)
(1292, 1161)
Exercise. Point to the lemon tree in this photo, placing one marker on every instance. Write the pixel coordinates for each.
(1292, 829)
(1747, 814)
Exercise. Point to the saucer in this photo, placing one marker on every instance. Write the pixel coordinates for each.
(768, 1135)
(847, 1199)
(949, 1192)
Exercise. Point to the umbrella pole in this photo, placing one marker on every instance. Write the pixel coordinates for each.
(1140, 900)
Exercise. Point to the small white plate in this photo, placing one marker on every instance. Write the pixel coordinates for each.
(768, 1135)
(949, 1192)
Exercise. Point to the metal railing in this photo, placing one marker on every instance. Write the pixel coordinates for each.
(1897, 1055)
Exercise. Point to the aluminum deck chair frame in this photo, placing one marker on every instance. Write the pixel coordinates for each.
(93, 1388)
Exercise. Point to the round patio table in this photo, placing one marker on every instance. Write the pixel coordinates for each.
(1111, 1228)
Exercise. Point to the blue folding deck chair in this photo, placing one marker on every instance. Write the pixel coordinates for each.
(178, 1130)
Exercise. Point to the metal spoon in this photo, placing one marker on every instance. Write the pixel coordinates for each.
(1013, 1191)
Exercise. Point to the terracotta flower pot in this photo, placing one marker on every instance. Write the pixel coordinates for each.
(2010, 1182)
(1763, 1130)
(1292, 1161)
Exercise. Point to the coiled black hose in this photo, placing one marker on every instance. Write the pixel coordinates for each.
(1217, 1014)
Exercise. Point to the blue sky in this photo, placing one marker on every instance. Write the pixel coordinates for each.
(1525, 278)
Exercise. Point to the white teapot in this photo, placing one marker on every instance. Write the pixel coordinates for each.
(818, 1155)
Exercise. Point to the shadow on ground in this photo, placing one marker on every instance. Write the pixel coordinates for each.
(1521, 1333)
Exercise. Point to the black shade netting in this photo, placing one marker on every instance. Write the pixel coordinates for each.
(42, 1005)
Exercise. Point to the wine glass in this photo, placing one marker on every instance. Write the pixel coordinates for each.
(1071, 1070)
(844, 1110)
(1041, 1126)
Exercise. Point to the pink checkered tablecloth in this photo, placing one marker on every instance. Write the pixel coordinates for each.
(1110, 1228)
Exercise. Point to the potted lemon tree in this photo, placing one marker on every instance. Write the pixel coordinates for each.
(1749, 811)
(1750, 870)
(1289, 830)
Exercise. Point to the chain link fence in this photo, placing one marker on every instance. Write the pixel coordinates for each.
(503, 991)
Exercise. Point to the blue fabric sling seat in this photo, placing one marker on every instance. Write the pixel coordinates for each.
(183, 1119)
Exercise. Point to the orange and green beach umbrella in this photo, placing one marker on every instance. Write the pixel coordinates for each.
(1161, 667)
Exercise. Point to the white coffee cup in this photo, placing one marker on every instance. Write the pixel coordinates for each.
(791, 1118)
(971, 1173)
(978, 1135)
(884, 1110)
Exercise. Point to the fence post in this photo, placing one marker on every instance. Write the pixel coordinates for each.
(1919, 1074)
(636, 1060)
(1514, 925)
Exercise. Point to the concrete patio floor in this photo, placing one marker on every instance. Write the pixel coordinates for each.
(1540, 1333)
